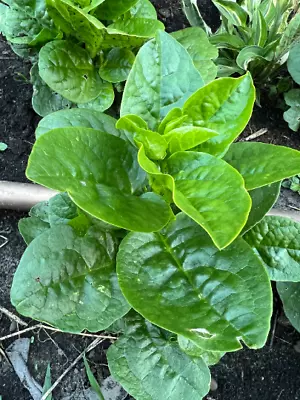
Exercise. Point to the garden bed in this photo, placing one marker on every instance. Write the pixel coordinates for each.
(270, 373)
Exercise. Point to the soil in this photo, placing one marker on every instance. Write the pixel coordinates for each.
(268, 374)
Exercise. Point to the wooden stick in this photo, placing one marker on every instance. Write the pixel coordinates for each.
(12, 316)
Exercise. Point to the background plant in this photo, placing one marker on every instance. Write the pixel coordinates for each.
(159, 225)
(79, 50)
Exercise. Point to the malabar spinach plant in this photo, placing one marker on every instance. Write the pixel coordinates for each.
(254, 36)
(79, 49)
(158, 231)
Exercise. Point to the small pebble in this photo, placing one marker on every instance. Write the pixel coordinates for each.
(213, 385)
(13, 326)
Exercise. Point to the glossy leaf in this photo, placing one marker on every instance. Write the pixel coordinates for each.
(150, 366)
(225, 106)
(69, 71)
(232, 11)
(260, 29)
(101, 174)
(117, 65)
(104, 100)
(293, 63)
(249, 54)
(162, 78)
(190, 348)
(289, 293)
(78, 118)
(261, 164)
(276, 240)
(263, 199)
(178, 280)
(70, 280)
(140, 27)
(143, 9)
(112, 9)
(212, 193)
(197, 44)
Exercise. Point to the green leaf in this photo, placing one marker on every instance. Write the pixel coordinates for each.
(293, 63)
(292, 115)
(93, 382)
(261, 164)
(143, 9)
(178, 280)
(78, 118)
(140, 27)
(197, 44)
(252, 53)
(3, 10)
(212, 193)
(232, 11)
(150, 366)
(69, 71)
(94, 4)
(260, 29)
(263, 199)
(225, 106)
(289, 293)
(289, 37)
(3, 146)
(70, 280)
(101, 174)
(117, 65)
(227, 67)
(193, 14)
(172, 120)
(227, 41)
(44, 100)
(32, 227)
(162, 78)
(103, 101)
(276, 240)
(47, 383)
(112, 9)
(190, 348)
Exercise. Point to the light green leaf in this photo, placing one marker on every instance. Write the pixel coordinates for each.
(112, 9)
(162, 78)
(3, 146)
(117, 65)
(289, 37)
(143, 9)
(101, 174)
(187, 137)
(193, 14)
(212, 193)
(190, 348)
(232, 11)
(78, 118)
(289, 293)
(292, 115)
(140, 27)
(70, 280)
(93, 382)
(227, 41)
(260, 29)
(263, 199)
(69, 71)
(44, 100)
(277, 241)
(173, 120)
(3, 10)
(251, 53)
(261, 164)
(178, 280)
(293, 63)
(32, 227)
(47, 383)
(103, 101)
(94, 4)
(137, 360)
(225, 106)
(197, 44)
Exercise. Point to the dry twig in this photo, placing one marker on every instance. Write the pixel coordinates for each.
(12, 316)
(256, 134)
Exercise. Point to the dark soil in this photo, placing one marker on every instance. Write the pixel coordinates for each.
(268, 374)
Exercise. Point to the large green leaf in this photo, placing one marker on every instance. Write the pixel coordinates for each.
(101, 174)
(70, 280)
(112, 9)
(190, 348)
(261, 164)
(162, 78)
(289, 293)
(143, 9)
(263, 199)
(69, 71)
(212, 193)
(150, 366)
(178, 280)
(116, 65)
(44, 100)
(225, 106)
(293, 63)
(78, 118)
(197, 44)
(277, 241)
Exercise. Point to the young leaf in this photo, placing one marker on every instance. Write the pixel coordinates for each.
(260, 29)
(212, 193)
(140, 27)
(70, 280)
(276, 240)
(252, 53)
(93, 382)
(178, 280)
(263, 199)
(117, 65)
(293, 63)
(78, 118)
(289, 293)
(162, 78)
(225, 106)
(232, 11)
(47, 383)
(69, 71)
(101, 174)
(197, 44)
(112, 9)
(261, 164)
(137, 360)
(292, 115)
(190, 348)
